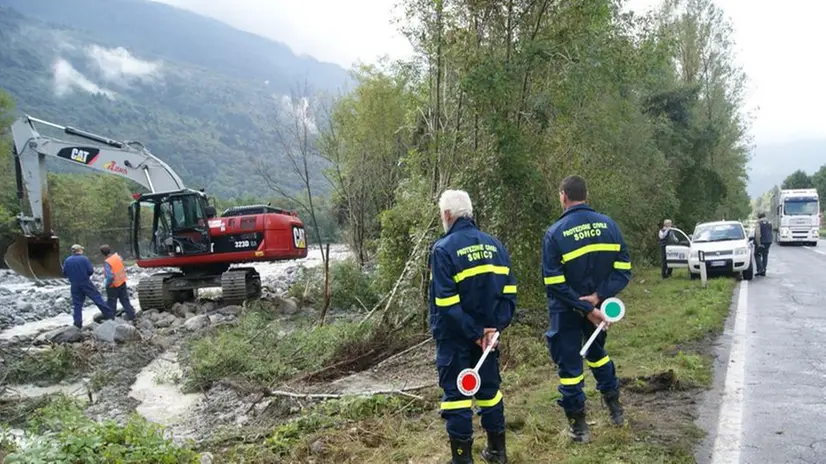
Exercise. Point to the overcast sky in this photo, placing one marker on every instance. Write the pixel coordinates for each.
(778, 44)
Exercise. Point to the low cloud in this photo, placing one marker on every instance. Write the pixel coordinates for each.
(67, 79)
(118, 66)
(299, 109)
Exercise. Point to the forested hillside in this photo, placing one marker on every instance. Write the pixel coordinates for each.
(201, 95)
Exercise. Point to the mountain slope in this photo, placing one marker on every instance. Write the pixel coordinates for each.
(162, 31)
(211, 125)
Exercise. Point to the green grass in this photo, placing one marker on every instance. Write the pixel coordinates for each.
(667, 327)
(66, 435)
(261, 350)
(50, 366)
(823, 233)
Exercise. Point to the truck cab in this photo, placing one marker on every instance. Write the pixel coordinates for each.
(796, 217)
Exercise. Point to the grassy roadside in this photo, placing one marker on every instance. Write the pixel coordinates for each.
(823, 233)
(661, 350)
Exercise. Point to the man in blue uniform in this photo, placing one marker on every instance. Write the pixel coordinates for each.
(77, 268)
(762, 241)
(584, 261)
(472, 296)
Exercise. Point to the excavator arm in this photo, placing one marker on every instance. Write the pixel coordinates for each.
(35, 254)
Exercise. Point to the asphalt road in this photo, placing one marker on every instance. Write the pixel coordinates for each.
(768, 404)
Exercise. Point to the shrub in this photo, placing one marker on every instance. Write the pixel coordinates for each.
(63, 434)
(350, 286)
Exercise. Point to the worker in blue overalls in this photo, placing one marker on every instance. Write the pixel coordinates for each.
(78, 269)
(472, 296)
(584, 261)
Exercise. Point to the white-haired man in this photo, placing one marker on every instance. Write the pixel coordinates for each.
(663, 236)
(472, 296)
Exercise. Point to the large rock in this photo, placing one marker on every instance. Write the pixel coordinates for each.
(106, 331)
(197, 323)
(232, 310)
(165, 320)
(178, 309)
(207, 307)
(288, 306)
(114, 332)
(126, 333)
(144, 324)
(70, 334)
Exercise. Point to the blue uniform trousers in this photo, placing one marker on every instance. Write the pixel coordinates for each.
(115, 294)
(568, 332)
(79, 294)
(456, 409)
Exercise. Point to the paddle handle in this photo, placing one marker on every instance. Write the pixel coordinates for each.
(487, 351)
(591, 340)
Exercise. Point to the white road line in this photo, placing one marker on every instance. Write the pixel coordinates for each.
(729, 427)
(816, 250)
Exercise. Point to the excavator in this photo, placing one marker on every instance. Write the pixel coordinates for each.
(172, 228)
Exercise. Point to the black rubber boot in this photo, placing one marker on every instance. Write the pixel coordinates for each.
(577, 427)
(495, 449)
(462, 451)
(611, 400)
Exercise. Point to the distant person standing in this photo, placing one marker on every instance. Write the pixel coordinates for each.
(78, 269)
(115, 272)
(762, 241)
(663, 235)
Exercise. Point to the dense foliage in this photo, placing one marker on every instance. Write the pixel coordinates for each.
(505, 99)
(63, 434)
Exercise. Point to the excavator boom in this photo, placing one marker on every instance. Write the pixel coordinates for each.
(36, 253)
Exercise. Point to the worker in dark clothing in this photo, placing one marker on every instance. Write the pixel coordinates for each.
(584, 261)
(78, 269)
(663, 236)
(115, 282)
(762, 241)
(472, 296)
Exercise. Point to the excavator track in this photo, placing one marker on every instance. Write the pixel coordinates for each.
(153, 291)
(240, 284)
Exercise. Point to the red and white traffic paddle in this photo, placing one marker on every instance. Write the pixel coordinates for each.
(468, 380)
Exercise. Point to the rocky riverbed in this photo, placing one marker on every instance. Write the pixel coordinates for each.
(136, 366)
(24, 302)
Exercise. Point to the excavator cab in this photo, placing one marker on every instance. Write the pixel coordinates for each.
(35, 257)
(170, 224)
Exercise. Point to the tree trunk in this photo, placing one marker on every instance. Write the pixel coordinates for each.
(325, 254)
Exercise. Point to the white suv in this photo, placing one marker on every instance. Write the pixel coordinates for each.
(723, 247)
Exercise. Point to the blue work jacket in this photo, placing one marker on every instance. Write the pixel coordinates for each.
(78, 269)
(472, 286)
(583, 252)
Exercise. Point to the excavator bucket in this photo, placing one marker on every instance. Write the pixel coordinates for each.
(35, 257)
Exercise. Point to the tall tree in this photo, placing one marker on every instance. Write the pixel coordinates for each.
(819, 182)
(364, 140)
(798, 180)
(297, 134)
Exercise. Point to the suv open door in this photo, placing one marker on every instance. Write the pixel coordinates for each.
(677, 247)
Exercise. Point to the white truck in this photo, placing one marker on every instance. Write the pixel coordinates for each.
(795, 216)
